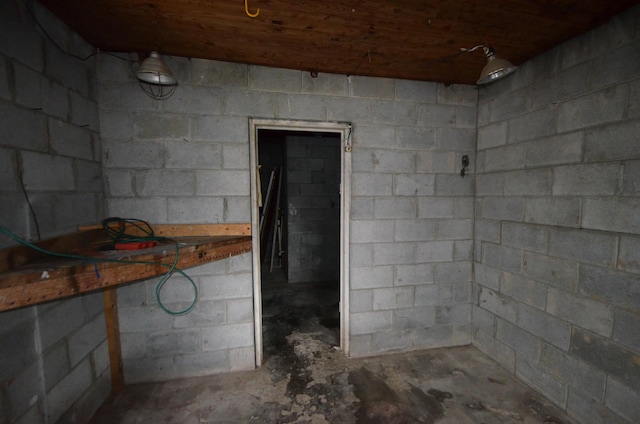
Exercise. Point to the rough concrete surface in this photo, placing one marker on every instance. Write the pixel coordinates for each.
(305, 378)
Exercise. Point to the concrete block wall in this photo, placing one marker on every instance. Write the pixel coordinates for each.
(557, 286)
(313, 208)
(53, 358)
(186, 159)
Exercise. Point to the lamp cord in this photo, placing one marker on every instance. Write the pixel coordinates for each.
(122, 235)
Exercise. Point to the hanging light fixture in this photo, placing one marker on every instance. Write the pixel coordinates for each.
(155, 77)
(495, 68)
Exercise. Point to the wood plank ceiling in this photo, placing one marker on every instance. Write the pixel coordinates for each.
(407, 39)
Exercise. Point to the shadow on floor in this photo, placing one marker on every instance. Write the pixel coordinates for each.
(305, 378)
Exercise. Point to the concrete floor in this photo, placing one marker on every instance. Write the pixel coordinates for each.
(306, 379)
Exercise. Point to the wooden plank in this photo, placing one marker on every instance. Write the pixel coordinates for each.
(58, 279)
(113, 338)
(177, 230)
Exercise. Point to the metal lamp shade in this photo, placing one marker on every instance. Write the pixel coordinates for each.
(495, 68)
(153, 70)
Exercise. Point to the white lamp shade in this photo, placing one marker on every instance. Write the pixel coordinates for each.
(495, 68)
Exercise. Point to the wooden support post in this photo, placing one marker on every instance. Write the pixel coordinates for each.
(113, 338)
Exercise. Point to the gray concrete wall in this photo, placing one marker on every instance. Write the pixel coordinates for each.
(53, 358)
(557, 294)
(186, 160)
(313, 208)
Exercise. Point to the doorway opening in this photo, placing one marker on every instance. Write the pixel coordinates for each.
(300, 232)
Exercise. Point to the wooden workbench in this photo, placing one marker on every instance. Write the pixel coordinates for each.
(29, 277)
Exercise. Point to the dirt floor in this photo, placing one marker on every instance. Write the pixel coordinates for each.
(305, 378)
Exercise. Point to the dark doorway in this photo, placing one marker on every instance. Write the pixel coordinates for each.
(300, 236)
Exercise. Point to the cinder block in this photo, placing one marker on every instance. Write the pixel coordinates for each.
(172, 342)
(22, 128)
(143, 318)
(634, 103)
(611, 358)
(371, 322)
(501, 353)
(579, 113)
(27, 86)
(487, 276)
(237, 209)
(242, 359)
(584, 246)
(483, 320)
(193, 155)
(65, 393)
(274, 79)
(372, 184)
(427, 92)
(195, 209)
(84, 111)
(413, 185)
(228, 336)
(466, 117)
(392, 341)
(20, 390)
(503, 208)
(489, 184)
(207, 313)
(523, 289)
(222, 129)
(554, 150)
(525, 236)
(439, 116)
(89, 177)
(412, 318)
(454, 94)
(505, 158)
(492, 135)
(631, 178)
(100, 360)
(299, 106)
(555, 272)
(406, 275)
(327, 84)
(222, 183)
(625, 327)
(361, 301)
(534, 125)
(617, 141)
(623, 400)
(545, 383)
(188, 99)
(437, 207)
(201, 364)
(501, 257)
(587, 410)
(147, 154)
(416, 138)
(218, 74)
(433, 337)
(164, 182)
(239, 310)
(499, 305)
(394, 207)
(5, 91)
(378, 88)
(454, 185)
(149, 209)
(460, 140)
(452, 272)
(454, 229)
(525, 344)
(434, 294)
(74, 75)
(564, 212)
(434, 251)
(510, 103)
(486, 230)
(87, 339)
(536, 182)
(586, 180)
(230, 286)
(576, 374)
(393, 298)
(60, 319)
(411, 230)
(605, 285)
(371, 231)
(551, 329)
(147, 369)
(612, 214)
(585, 313)
(394, 253)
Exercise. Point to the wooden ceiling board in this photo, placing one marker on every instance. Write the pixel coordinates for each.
(406, 39)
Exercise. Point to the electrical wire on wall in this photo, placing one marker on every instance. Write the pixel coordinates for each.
(115, 228)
